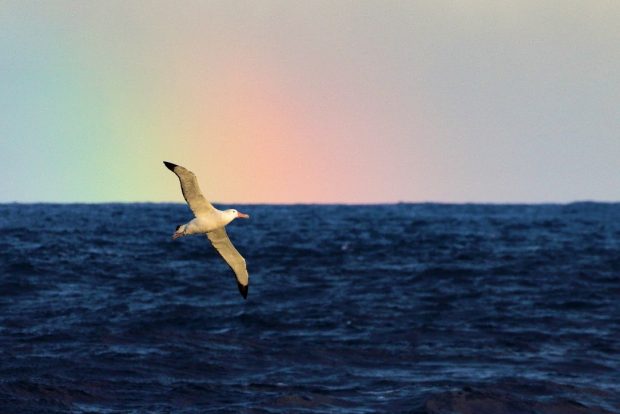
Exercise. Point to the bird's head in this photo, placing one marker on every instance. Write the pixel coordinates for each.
(232, 214)
(179, 231)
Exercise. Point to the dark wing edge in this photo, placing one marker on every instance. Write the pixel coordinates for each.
(221, 242)
(191, 190)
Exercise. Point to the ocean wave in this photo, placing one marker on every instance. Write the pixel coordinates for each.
(391, 308)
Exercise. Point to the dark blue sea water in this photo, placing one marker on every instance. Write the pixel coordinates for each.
(351, 309)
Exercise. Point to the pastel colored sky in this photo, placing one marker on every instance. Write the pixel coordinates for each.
(311, 101)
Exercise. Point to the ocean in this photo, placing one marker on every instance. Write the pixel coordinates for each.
(403, 308)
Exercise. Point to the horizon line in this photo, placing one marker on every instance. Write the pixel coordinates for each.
(374, 203)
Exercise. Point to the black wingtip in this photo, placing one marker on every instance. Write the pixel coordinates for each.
(243, 289)
(170, 165)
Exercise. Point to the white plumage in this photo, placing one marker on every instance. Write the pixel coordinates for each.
(212, 222)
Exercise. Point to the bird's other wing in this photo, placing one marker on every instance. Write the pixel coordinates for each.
(223, 245)
(191, 191)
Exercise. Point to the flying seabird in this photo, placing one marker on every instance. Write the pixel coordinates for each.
(212, 222)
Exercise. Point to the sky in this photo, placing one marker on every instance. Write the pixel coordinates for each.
(310, 101)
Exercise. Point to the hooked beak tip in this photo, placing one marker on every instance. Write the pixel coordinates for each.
(241, 215)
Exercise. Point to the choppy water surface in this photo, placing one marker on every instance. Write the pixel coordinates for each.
(351, 309)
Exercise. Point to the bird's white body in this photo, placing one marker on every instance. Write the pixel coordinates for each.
(212, 222)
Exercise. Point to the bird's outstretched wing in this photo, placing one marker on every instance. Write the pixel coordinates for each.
(223, 245)
(191, 191)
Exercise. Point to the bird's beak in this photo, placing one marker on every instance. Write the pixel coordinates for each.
(241, 215)
(176, 236)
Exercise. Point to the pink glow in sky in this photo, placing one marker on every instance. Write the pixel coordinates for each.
(322, 101)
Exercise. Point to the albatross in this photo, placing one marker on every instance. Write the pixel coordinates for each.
(212, 222)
